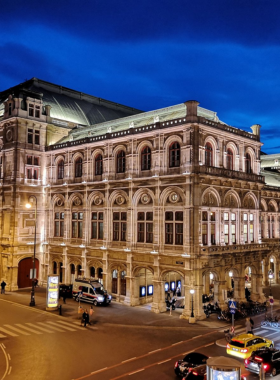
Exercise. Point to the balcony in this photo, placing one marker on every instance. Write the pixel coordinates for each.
(236, 248)
(231, 174)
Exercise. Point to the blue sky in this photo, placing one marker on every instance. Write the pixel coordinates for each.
(152, 54)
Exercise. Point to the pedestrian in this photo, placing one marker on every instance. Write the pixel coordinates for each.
(85, 317)
(91, 311)
(64, 294)
(248, 326)
(3, 284)
(80, 312)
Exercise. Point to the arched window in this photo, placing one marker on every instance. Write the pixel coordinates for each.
(121, 162)
(60, 170)
(79, 270)
(146, 158)
(174, 155)
(229, 160)
(78, 167)
(248, 167)
(98, 164)
(208, 154)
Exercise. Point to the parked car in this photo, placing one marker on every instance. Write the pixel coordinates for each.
(197, 373)
(243, 345)
(191, 360)
(269, 358)
(68, 289)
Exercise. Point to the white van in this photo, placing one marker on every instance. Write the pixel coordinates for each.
(90, 290)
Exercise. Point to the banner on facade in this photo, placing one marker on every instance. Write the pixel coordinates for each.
(52, 292)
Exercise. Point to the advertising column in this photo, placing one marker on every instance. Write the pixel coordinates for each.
(52, 292)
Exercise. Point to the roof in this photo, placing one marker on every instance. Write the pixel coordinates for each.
(69, 105)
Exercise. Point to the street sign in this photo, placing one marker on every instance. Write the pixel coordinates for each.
(232, 311)
(232, 304)
(271, 300)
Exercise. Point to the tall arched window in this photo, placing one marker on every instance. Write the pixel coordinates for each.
(78, 167)
(98, 164)
(121, 162)
(60, 170)
(229, 160)
(174, 155)
(248, 167)
(146, 158)
(208, 154)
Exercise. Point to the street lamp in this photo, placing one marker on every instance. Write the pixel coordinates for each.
(32, 198)
(192, 293)
(270, 278)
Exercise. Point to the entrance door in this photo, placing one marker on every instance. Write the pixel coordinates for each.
(25, 269)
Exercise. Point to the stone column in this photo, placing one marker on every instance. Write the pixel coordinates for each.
(265, 273)
(239, 289)
(219, 286)
(158, 305)
(187, 310)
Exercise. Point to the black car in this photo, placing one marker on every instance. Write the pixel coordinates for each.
(197, 373)
(268, 357)
(191, 360)
(67, 288)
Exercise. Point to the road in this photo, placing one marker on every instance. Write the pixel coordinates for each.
(123, 343)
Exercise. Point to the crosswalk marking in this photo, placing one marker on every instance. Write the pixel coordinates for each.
(16, 330)
(40, 328)
(28, 329)
(70, 325)
(276, 339)
(7, 332)
(262, 331)
(2, 336)
(64, 327)
(52, 327)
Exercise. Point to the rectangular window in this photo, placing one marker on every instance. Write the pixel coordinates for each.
(144, 227)
(59, 224)
(251, 217)
(35, 173)
(245, 233)
(29, 173)
(212, 217)
(213, 234)
(77, 225)
(97, 225)
(226, 233)
(252, 233)
(30, 136)
(233, 234)
(36, 161)
(33, 137)
(233, 216)
(37, 111)
(204, 216)
(173, 229)
(37, 137)
(29, 160)
(226, 216)
(245, 217)
(31, 110)
(204, 234)
(119, 226)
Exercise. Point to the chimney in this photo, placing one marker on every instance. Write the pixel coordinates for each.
(256, 130)
(191, 110)
(48, 110)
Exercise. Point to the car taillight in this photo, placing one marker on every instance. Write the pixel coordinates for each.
(195, 373)
(246, 361)
(258, 359)
(228, 346)
(176, 364)
(265, 366)
(244, 350)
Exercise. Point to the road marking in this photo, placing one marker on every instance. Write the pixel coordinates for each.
(17, 330)
(10, 370)
(40, 328)
(52, 327)
(2, 336)
(9, 357)
(139, 370)
(7, 361)
(197, 336)
(275, 332)
(168, 360)
(262, 331)
(208, 344)
(7, 332)
(174, 344)
(60, 327)
(71, 325)
(128, 360)
(103, 369)
(151, 352)
(28, 329)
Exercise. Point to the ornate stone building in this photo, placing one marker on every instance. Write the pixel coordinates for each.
(145, 201)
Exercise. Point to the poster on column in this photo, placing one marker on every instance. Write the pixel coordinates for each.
(52, 292)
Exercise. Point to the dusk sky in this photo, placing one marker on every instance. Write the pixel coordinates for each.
(152, 54)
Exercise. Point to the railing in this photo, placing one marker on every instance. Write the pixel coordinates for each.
(234, 248)
(233, 174)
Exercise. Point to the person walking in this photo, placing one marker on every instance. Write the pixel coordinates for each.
(91, 311)
(3, 284)
(85, 318)
(248, 326)
(64, 294)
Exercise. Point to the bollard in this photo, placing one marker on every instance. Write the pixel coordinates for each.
(60, 309)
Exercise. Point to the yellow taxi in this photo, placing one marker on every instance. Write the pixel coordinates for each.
(244, 344)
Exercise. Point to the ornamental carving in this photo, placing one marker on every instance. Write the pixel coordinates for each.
(120, 200)
(97, 200)
(59, 202)
(173, 197)
(145, 199)
(77, 201)
(9, 134)
(1, 144)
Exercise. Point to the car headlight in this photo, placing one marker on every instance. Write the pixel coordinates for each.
(110, 297)
(101, 299)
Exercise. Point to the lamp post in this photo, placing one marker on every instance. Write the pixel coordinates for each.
(192, 293)
(270, 276)
(32, 198)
